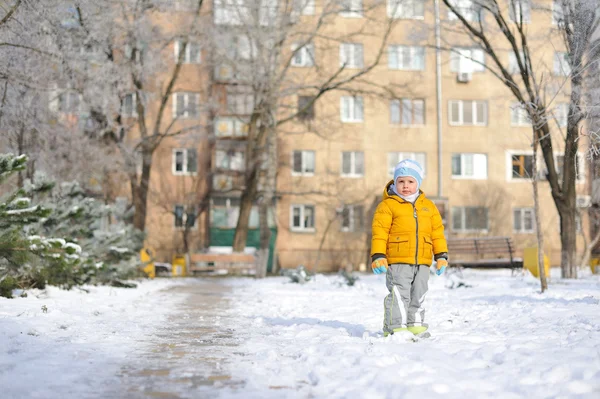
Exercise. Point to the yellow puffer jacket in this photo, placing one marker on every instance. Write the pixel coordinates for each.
(407, 233)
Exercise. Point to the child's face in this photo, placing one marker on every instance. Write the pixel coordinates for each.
(406, 185)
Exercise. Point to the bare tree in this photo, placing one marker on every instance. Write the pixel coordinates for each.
(494, 28)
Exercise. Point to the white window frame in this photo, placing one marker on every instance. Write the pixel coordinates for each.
(185, 171)
(235, 159)
(558, 15)
(239, 102)
(541, 166)
(406, 9)
(351, 227)
(466, 8)
(523, 211)
(463, 228)
(353, 172)
(352, 55)
(515, 7)
(467, 60)
(352, 109)
(69, 95)
(351, 9)
(237, 126)
(398, 62)
(561, 65)
(461, 104)
(513, 64)
(509, 165)
(394, 157)
(184, 217)
(133, 112)
(302, 208)
(186, 100)
(304, 56)
(306, 155)
(479, 167)
(187, 58)
(399, 108)
(230, 12)
(519, 116)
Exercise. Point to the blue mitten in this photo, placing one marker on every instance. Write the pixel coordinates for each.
(441, 266)
(379, 265)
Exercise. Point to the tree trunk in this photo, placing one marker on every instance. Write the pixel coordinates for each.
(568, 229)
(140, 192)
(538, 224)
(265, 238)
(587, 252)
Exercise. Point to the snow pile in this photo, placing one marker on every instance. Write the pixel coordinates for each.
(497, 338)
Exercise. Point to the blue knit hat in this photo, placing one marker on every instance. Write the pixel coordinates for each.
(408, 167)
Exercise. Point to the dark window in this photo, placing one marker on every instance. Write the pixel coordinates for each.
(306, 109)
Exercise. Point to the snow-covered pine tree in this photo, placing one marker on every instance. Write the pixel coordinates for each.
(109, 245)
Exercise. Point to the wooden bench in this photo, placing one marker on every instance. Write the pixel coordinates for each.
(235, 263)
(490, 252)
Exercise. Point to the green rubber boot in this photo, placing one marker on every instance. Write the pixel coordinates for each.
(386, 333)
(417, 329)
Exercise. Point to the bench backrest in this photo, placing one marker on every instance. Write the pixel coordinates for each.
(225, 258)
(481, 247)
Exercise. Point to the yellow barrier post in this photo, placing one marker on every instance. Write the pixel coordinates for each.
(595, 265)
(147, 259)
(530, 262)
(179, 267)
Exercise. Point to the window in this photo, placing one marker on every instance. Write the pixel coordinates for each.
(230, 127)
(558, 16)
(466, 8)
(523, 220)
(513, 63)
(466, 60)
(185, 218)
(192, 52)
(185, 161)
(520, 11)
(407, 112)
(351, 8)
(351, 109)
(128, 106)
(302, 218)
(469, 166)
(230, 160)
(306, 108)
(351, 55)
(303, 163)
(224, 213)
(469, 218)
(406, 58)
(468, 113)
(395, 157)
(304, 7)
(579, 165)
(561, 113)
(561, 64)
(239, 101)
(184, 5)
(519, 115)
(353, 164)
(522, 166)
(68, 102)
(185, 105)
(304, 56)
(352, 218)
(134, 52)
(406, 9)
(231, 12)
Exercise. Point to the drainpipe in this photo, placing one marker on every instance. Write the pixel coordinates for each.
(438, 87)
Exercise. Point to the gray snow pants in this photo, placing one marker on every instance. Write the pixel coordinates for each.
(404, 304)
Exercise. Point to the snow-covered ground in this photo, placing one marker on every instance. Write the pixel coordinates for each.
(72, 344)
(499, 338)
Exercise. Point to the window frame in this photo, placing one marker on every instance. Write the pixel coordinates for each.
(303, 163)
(522, 211)
(307, 55)
(185, 162)
(353, 174)
(353, 103)
(474, 112)
(472, 16)
(302, 229)
(560, 62)
(522, 117)
(187, 56)
(352, 210)
(463, 158)
(393, 157)
(463, 228)
(400, 104)
(396, 9)
(395, 51)
(355, 9)
(348, 55)
(477, 65)
(186, 100)
(184, 217)
(513, 11)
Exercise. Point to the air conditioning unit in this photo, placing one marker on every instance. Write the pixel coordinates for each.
(464, 77)
(584, 201)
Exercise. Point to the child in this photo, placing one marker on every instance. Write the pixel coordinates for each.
(407, 232)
